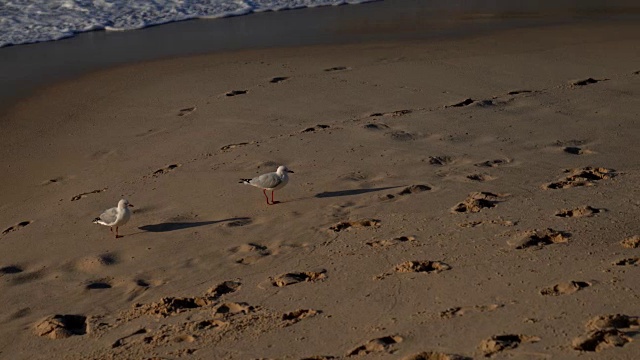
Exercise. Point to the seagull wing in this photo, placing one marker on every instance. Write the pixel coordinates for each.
(109, 216)
(266, 181)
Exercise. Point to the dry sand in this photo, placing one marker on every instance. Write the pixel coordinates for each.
(469, 197)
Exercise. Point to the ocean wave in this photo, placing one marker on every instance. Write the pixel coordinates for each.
(30, 21)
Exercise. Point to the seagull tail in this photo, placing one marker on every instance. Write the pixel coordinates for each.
(245, 181)
(98, 221)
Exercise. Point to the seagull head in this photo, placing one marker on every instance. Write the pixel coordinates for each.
(283, 169)
(123, 203)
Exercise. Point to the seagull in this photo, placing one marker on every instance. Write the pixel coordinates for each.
(270, 181)
(115, 216)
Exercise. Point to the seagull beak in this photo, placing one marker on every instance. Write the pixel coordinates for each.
(130, 205)
(289, 171)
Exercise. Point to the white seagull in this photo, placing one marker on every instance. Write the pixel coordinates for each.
(115, 216)
(270, 181)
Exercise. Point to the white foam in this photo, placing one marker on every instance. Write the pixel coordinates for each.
(29, 21)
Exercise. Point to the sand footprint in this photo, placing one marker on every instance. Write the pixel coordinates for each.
(478, 201)
(631, 242)
(499, 343)
(575, 150)
(421, 267)
(494, 101)
(337, 68)
(19, 276)
(54, 180)
(99, 284)
(465, 102)
(633, 261)
(376, 126)
(394, 241)
(345, 225)
(409, 190)
(518, 92)
(461, 311)
(400, 135)
(96, 264)
(382, 344)
(584, 82)
(135, 287)
(233, 308)
(494, 163)
(500, 222)
(165, 169)
(278, 79)
(417, 266)
(249, 253)
(151, 132)
(573, 147)
(239, 222)
(435, 355)
(582, 177)
(62, 326)
(295, 316)
(11, 269)
(538, 239)
(481, 177)
(169, 306)
(16, 227)
(233, 146)
(236, 92)
(441, 160)
(224, 288)
(607, 331)
(583, 211)
(186, 111)
(298, 277)
(83, 195)
(414, 189)
(395, 113)
(315, 128)
(565, 288)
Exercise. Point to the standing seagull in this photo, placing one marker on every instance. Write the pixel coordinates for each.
(270, 181)
(116, 216)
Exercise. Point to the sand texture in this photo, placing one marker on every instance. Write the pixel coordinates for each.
(454, 199)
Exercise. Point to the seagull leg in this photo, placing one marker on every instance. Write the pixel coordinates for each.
(273, 202)
(117, 236)
(264, 191)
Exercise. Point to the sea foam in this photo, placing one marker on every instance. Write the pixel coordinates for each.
(29, 21)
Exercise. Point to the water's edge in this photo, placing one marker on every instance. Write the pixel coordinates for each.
(24, 68)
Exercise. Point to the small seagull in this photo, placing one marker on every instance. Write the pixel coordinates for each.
(270, 181)
(115, 216)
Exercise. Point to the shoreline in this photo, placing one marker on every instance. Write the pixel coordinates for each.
(25, 68)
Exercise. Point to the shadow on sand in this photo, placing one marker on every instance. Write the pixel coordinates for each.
(328, 194)
(171, 226)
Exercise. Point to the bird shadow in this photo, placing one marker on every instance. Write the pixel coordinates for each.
(329, 194)
(172, 226)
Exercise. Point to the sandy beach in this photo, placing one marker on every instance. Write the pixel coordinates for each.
(455, 198)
